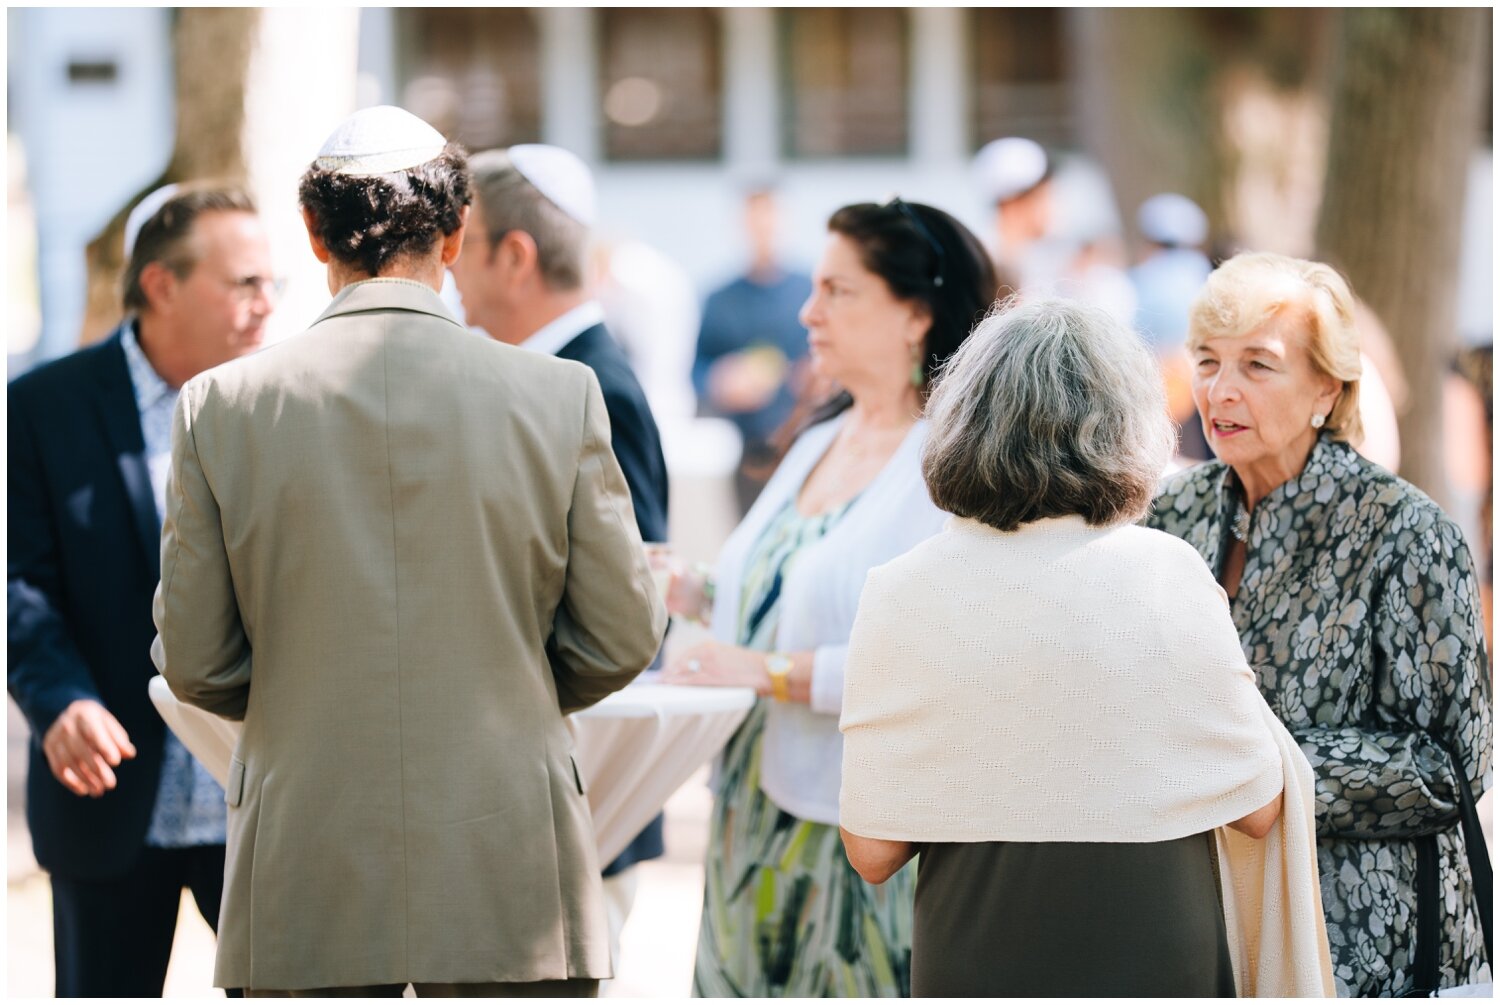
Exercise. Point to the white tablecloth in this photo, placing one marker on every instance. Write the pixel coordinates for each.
(635, 748)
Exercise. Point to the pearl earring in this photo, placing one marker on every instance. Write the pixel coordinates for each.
(1317, 420)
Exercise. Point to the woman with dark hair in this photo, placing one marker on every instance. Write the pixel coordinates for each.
(897, 291)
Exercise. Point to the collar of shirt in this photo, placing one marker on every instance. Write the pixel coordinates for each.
(148, 384)
(564, 328)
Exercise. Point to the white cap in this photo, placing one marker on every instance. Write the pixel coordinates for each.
(1172, 219)
(145, 210)
(560, 176)
(1010, 167)
(379, 140)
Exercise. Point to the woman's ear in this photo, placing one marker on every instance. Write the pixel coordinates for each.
(319, 249)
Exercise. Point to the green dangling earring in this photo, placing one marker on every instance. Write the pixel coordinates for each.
(918, 377)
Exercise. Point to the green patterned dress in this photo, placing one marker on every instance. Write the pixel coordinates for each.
(784, 913)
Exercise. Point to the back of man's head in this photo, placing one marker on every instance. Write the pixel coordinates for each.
(511, 202)
(167, 235)
(369, 221)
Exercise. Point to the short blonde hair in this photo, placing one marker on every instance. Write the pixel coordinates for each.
(1251, 289)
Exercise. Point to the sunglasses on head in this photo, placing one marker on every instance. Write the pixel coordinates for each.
(905, 209)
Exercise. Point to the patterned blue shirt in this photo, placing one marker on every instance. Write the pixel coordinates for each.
(189, 803)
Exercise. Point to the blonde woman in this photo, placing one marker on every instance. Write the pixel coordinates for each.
(1356, 602)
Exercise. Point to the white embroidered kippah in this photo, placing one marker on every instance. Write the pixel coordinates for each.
(1010, 167)
(145, 210)
(379, 140)
(558, 174)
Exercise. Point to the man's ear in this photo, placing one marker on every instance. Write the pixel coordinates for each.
(453, 243)
(319, 249)
(158, 284)
(517, 250)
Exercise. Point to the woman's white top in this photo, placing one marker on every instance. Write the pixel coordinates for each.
(802, 748)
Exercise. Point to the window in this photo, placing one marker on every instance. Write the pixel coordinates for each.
(1020, 76)
(846, 81)
(473, 73)
(659, 83)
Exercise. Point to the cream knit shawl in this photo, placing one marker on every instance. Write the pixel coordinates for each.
(1070, 683)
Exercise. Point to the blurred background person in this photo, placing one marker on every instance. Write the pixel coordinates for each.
(1066, 816)
(521, 277)
(120, 813)
(1166, 281)
(1357, 606)
(1469, 417)
(651, 308)
(1172, 271)
(1097, 276)
(1015, 177)
(784, 914)
(752, 347)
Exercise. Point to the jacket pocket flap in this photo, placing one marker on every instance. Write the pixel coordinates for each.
(234, 788)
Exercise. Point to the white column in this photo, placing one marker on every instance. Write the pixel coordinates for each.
(301, 84)
(940, 99)
(570, 80)
(377, 58)
(752, 90)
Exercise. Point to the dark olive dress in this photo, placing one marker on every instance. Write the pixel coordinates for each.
(1011, 918)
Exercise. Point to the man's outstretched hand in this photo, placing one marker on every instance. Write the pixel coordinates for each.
(83, 747)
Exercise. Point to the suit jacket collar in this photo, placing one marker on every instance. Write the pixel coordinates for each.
(587, 342)
(387, 295)
(121, 420)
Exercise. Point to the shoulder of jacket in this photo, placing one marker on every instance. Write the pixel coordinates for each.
(66, 372)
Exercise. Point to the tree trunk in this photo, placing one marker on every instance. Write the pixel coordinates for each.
(1166, 98)
(1405, 119)
(1147, 106)
(212, 48)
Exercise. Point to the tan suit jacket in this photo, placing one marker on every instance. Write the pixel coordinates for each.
(373, 530)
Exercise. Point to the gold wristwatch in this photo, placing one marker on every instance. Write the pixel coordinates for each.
(779, 668)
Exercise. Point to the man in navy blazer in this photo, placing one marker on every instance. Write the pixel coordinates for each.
(521, 277)
(120, 815)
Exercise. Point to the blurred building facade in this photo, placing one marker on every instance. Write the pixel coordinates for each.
(678, 110)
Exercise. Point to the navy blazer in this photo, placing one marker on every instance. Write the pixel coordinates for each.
(633, 433)
(84, 560)
(637, 446)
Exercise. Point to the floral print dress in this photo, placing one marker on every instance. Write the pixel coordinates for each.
(1359, 611)
(784, 913)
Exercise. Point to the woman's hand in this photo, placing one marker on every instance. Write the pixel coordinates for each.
(714, 664)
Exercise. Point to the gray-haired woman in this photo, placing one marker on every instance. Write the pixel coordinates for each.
(1052, 706)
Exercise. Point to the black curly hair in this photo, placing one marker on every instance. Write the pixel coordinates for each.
(368, 221)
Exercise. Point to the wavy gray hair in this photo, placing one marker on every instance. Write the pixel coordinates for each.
(1050, 408)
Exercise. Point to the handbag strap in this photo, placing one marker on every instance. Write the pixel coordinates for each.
(1426, 965)
(1480, 872)
(1426, 968)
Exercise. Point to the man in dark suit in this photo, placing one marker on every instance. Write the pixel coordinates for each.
(521, 278)
(120, 814)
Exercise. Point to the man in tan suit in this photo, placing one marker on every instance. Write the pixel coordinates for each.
(401, 553)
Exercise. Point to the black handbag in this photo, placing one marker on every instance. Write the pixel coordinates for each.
(1429, 909)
